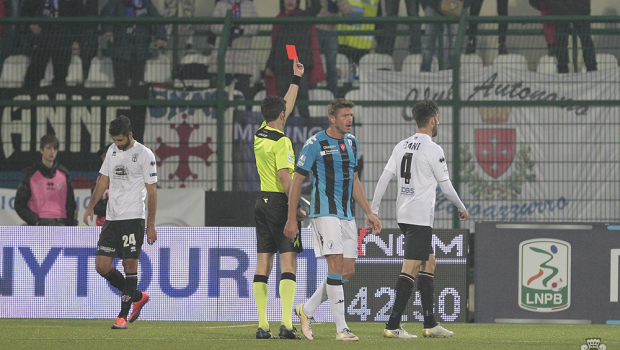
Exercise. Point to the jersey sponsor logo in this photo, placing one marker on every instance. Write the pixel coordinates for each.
(106, 249)
(442, 160)
(406, 191)
(152, 163)
(113, 153)
(134, 158)
(120, 170)
(290, 159)
(302, 160)
(153, 174)
(328, 152)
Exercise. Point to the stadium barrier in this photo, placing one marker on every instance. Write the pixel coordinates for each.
(514, 135)
(206, 274)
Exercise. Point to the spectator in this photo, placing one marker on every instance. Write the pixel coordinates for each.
(357, 46)
(385, 44)
(89, 41)
(433, 31)
(472, 28)
(45, 195)
(328, 38)
(129, 43)
(303, 37)
(101, 206)
(185, 33)
(240, 59)
(46, 40)
(568, 8)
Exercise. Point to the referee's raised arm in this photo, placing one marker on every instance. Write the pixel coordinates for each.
(291, 94)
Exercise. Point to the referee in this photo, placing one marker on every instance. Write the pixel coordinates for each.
(275, 162)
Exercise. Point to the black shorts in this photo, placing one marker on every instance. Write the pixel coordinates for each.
(121, 239)
(418, 241)
(271, 213)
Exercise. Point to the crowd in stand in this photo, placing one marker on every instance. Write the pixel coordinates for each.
(61, 55)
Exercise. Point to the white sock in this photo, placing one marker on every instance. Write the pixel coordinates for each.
(335, 294)
(319, 296)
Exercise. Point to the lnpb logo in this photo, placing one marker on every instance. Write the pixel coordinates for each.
(544, 275)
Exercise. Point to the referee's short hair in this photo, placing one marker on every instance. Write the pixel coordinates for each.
(120, 126)
(337, 104)
(423, 111)
(271, 107)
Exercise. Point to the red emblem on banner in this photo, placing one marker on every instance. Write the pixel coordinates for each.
(184, 150)
(495, 150)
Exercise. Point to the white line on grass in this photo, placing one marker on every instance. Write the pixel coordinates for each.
(239, 326)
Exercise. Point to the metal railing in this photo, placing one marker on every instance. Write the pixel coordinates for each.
(384, 116)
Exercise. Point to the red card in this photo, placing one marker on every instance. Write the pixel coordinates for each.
(292, 53)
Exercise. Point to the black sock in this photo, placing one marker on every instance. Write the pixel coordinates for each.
(427, 290)
(131, 283)
(404, 286)
(117, 281)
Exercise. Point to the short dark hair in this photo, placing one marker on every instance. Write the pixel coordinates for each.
(423, 111)
(120, 126)
(271, 107)
(337, 104)
(49, 139)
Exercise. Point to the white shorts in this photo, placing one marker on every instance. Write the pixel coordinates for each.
(333, 236)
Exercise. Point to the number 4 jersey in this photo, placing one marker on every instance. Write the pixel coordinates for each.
(419, 164)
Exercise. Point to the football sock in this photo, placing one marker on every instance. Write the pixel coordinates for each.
(319, 296)
(287, 298)
(260, 296)
(335, 294)
(404, 286)
(426, 288)
(117, 281)
(131, 284)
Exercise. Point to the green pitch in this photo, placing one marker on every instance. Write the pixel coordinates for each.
(96, 334)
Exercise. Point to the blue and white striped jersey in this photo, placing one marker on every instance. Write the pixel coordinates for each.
(333, 163)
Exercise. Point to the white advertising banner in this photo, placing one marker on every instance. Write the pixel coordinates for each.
(521, 163)
(180, 207)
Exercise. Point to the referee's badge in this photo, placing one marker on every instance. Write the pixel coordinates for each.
(290, 159)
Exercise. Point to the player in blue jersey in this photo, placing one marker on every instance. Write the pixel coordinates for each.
(332, 157)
